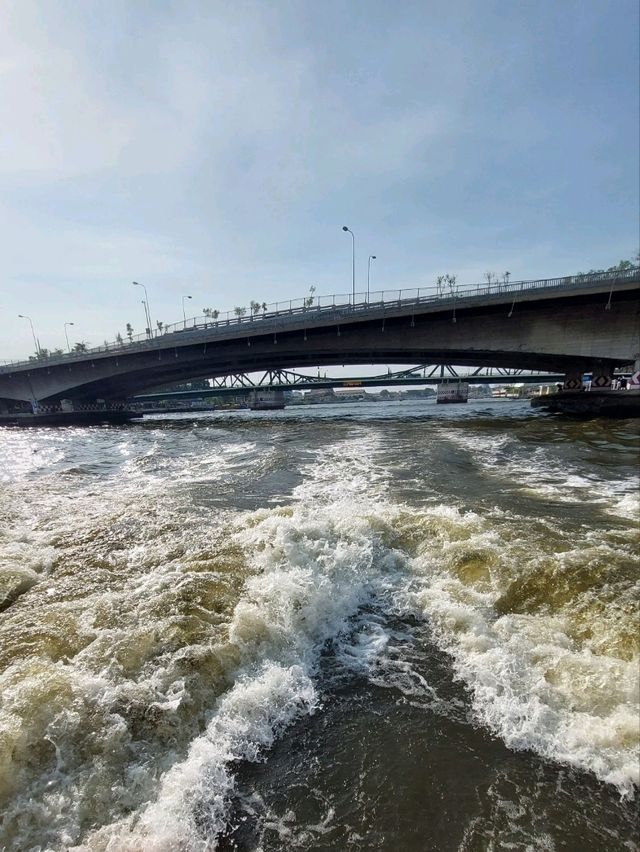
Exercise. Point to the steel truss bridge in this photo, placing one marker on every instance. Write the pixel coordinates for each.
(423, 374)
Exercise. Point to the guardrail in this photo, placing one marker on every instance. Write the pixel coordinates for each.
(272, 317)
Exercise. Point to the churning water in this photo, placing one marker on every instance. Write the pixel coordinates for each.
(376, 627)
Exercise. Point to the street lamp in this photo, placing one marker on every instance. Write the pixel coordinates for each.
(146, 314)
(67, 336)
(184, 316)
(371, 257)
(147, 310)
(33, 334)
(353, 261)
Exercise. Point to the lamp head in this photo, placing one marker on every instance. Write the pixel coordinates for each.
(344, 228)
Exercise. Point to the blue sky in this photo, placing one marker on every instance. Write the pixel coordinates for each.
(215, 149)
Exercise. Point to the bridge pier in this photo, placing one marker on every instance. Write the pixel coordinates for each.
(599, 400)
(573, 379)
(602, 377)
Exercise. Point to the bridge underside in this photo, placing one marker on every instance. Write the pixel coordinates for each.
(116, 388)
(555, 335)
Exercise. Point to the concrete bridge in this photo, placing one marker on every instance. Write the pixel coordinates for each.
(562, 325)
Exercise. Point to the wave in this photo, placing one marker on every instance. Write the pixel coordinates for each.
(312, 566)
(544, 472)
(538, 678)
(197, 647)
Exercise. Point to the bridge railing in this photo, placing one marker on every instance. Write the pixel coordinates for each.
(276, 315)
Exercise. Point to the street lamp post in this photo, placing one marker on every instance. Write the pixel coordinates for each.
(67, 336)
(371, 257)
(33, 334)
(184, 315)
(147, 310)
(147, 317)
(353, 262)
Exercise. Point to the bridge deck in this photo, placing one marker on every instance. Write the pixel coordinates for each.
(327, 310)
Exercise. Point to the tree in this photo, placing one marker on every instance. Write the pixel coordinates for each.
(239, 312)
(621, 267)
(264, 307)
(57, 352)
(309, 299)
(130, 332)
(119, 339)
(255, 307)
(81, 346)
(160, 325)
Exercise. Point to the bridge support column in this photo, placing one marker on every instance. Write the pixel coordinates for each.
(602, 377)
(573, 380)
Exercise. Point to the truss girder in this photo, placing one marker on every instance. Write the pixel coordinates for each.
(290, 378)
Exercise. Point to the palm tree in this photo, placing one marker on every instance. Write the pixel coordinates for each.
(130, 332)
(255, 307)
(81, 346)
(239, 312)
(160, 325)
(119, 339)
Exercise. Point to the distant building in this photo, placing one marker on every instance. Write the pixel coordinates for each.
(351, 394)
(320, 395)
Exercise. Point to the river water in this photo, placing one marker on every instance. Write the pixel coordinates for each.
(393, 626)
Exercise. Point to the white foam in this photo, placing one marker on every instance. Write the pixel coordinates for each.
(530, 682)
(192, 806)
(313, 565)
